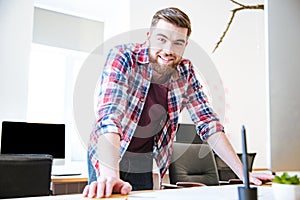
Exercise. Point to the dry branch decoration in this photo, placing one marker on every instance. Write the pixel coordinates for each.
(234, 11)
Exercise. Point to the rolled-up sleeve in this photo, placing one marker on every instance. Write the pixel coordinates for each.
(201, 112)
(112, 97)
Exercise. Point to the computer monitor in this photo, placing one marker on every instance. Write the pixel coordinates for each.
(34, 138)
(283, 81)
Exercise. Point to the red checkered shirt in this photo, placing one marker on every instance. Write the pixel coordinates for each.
(125, 82)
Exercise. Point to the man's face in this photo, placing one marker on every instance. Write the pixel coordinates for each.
(167, 43)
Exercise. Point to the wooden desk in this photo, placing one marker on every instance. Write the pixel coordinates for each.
(68, 184)
(228, 192)
(75, 184)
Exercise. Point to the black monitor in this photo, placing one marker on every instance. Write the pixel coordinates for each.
(34, 138)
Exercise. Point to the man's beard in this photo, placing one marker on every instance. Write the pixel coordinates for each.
(162, 73)
(162, 70)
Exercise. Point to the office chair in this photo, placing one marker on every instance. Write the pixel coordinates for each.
(25, 175)
(193, 163)
(224, 171)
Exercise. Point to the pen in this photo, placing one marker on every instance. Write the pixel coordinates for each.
(244, 158)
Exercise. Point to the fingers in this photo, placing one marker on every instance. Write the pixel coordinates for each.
(126, 188)
(262, 177)
(104, 187)
(259, 178)
(101, 187)
(109, 186)
(90, 190)
(85, 191)
(255, 181)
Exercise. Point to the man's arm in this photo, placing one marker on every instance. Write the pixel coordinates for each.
(108, 150)
(109, 181)
(223, 148)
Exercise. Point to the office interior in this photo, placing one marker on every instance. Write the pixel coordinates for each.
(254, 82)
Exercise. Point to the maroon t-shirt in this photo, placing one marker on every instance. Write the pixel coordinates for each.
(153, 118)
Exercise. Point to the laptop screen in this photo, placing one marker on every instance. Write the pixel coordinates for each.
(33, 138)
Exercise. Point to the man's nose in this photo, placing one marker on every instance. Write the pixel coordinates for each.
(168, 48)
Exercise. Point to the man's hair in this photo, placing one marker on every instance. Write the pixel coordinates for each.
(173, 15)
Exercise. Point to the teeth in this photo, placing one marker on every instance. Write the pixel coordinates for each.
(165, 59)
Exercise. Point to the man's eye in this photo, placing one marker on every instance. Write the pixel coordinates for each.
(178, 43)
(162, 40)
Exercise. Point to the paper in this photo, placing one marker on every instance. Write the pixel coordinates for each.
(227, 192)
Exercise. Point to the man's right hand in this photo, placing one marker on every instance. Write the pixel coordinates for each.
(105, 187)
(109, 181)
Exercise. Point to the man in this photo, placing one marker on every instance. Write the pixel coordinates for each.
(143, 89)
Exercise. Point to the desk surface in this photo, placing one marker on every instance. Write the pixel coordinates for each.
(67, 179)
(228, 192)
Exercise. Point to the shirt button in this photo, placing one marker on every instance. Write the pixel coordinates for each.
(142, 99)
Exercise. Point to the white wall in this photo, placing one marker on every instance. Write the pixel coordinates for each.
(240, 61)
(66, 31)
(15, 40)
(114, 13)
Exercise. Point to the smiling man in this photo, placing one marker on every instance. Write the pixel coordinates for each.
(144, 87)
(166, 47)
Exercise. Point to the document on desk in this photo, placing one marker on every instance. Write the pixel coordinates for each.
(229, 192)
(73, 197)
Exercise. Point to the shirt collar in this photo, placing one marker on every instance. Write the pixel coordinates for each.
(143, 53)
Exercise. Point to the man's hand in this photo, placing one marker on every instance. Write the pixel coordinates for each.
(260, 178)
(104, 187)
(109, 180)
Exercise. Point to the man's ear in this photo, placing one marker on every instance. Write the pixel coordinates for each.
(148, 35)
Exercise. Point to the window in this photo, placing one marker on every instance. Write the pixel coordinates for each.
(52, 75)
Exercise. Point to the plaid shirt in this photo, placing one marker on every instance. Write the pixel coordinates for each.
(124, 86)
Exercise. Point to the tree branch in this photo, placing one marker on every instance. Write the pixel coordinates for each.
(234, 11)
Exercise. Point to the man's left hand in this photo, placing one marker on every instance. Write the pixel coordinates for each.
(260, 178)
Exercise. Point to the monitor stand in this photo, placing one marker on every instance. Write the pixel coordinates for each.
(58, 161)
(60, 168)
